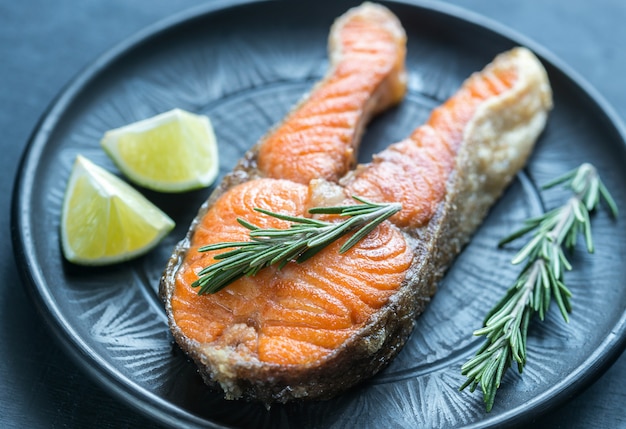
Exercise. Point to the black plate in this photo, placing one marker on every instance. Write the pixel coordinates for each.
(245, 64)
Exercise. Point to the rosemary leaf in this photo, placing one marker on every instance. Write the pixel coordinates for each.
(295, 219)
(608, 199)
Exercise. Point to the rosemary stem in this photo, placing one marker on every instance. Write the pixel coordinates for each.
(558, 233)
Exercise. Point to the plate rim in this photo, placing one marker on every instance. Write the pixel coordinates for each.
(155, 407)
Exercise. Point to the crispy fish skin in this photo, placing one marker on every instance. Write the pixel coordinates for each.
(495, 144)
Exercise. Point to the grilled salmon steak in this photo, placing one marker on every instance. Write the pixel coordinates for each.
(312, 330)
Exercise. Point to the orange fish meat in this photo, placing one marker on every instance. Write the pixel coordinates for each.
(312, 330)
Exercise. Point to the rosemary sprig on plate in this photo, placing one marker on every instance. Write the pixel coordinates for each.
(303, 239)
(541, 280)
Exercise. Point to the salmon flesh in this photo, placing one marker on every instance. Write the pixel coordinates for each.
(314, 329)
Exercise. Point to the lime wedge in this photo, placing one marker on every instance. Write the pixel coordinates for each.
(171, 152)
(104, 220)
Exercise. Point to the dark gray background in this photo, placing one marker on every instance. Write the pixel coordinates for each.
(44, 44)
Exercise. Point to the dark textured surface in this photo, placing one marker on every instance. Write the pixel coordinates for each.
(43, 45)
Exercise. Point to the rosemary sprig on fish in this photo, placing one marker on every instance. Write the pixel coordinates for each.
(301, 240)
(541, 280)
